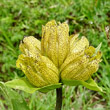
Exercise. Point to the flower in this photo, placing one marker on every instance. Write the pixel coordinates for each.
(57, 57)
(39, 69)
(55, 42)
(82, 60)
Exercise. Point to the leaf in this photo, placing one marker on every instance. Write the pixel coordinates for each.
(22, 84)
(14, 100)
(25, 85)
(90, 84)
(50, 87)
(98, 48)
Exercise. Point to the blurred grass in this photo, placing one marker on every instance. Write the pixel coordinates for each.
(91, 18)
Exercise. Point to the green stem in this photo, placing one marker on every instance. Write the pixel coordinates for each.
(58, 98)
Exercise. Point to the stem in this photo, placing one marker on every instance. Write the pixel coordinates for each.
(58, 98)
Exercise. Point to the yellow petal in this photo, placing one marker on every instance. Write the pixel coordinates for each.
(97, 56)
(42, 40)
(71, 58)
(35, 79)
(90, 51)
(50, 65)
(55, 41)
(49, 75)
(46, 33)
(75, 67)
(86, 73)
(63, 42)
(31, 74)
(31, 44)
(20, 61)
(77, 48)
(41, 66)
(51, 23)
(73, 39)
(80, 45)
(53, 46)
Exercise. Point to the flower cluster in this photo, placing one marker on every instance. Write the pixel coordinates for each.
(57, 57)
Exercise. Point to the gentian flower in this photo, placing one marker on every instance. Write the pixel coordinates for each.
(57, 57)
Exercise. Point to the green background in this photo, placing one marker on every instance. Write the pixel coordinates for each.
(90, 18)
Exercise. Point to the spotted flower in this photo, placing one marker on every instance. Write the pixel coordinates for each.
(57, 57)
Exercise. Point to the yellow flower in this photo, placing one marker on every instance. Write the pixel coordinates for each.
(39, 69)
(55, 42)
(57, 57)
(82, 60)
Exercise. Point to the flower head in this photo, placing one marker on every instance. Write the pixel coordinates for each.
(39, 69)
(58, 55)
(55, 42)
(82, 60)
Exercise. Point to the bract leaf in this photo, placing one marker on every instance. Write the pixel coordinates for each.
(98, 48)
(90, 84)
(24, 85)
(50, 87)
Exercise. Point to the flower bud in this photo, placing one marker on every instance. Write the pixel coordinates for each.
(39, 69)
(57, 56)
(55, 41)
(81, 62)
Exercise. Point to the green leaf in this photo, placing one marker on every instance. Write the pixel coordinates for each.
(25, 85)
(98, 48)
(14, 100)
(90, 84)
(21, 84)
(50, 87)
